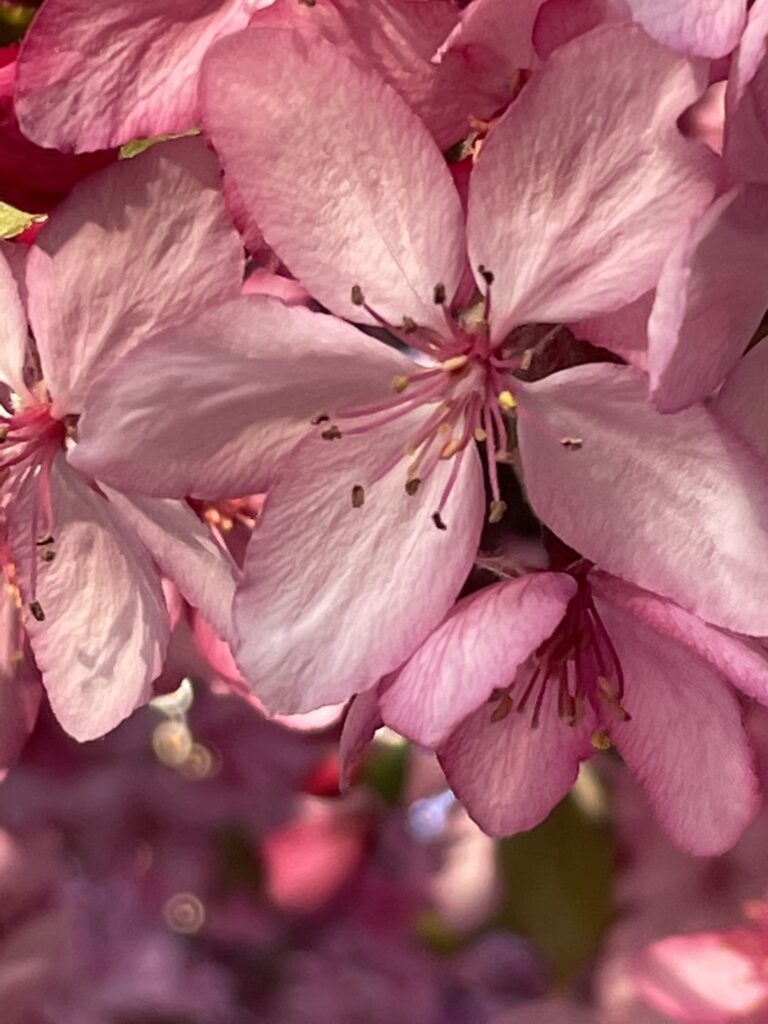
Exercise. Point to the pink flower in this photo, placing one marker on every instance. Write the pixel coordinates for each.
(527, 677)
(94, 609)
(710, 977)
(364, 213)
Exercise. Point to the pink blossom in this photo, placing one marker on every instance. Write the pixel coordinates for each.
(358, 230)
(527, 677)
(94, 609)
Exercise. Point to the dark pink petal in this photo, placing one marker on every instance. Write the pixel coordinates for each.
(360, 725)
(32, 178)
(185, 551)
(144, 244)
(90, 76)
(741, 661)
(741, 400)
(675, 503)
(106, 623)
(559, 21)
(221, 400)
(746, 102)
(480, 646)
(702, 979)
(705, 28)
(508, 774)
(710, 299)
(333, 596)
(570, 214)
(685, 741)
(356, 193)
(13, 331)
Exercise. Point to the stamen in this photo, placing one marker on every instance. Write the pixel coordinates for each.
(399, 384)
(357, 297)
(572, 444)
(507, 401)
(331, 434)
(497, 510)
(454, 363)
(37, 611)
(438, 521)
(358, 496)
(412, 486)
(600, 740)
(439, 296)
(322, 417)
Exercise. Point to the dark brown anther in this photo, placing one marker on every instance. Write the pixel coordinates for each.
(308, 3)
(358, 496)
(47, 539)
(412, 486)
(439, 295)
(47, 555)
(486, 275)
(437, 519)
(408, 325)
(37, 611)
(572, 444)
(322, 417)
(358, 299)
(331, 434)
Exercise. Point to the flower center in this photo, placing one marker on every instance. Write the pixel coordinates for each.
(29, 441)
(579, 660)
(465, 387)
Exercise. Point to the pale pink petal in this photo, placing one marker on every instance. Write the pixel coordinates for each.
(356, 193)
(495, 30)
(398, 40)
(685, 741)
(559, 21)
(263, 282)
(624, 330)
(701, 979)
(13, 331)
(508, 774)
(90, 76)
(106, 625)
(710, 299)
(705, 28)
(20, 686)
(480, 646)
(142, 245)
(741, 400)
(741, 661)
(333, 596)
(571, 214)
(185, 551)
(675, 503)
(746, 101)
(221, 400)
(360, 726)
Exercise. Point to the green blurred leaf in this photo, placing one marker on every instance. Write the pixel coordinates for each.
(559, 884)
(384, 770)
(14, 21)
(13, 221)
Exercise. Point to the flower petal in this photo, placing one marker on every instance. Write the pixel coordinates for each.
(743, 662)
(479, 647)
(710, 299)
(20, 686)
(685, 742)
(92, 77)
(746, 101)
(384, 196)
(106, 625)
(185, 552)
(335, 596)
(569, 213)
(704, 28)
(143, 244)
(13, 331)
(508, 774)
(360, 726)
(741, 400)
(220, 401)
(674, 503)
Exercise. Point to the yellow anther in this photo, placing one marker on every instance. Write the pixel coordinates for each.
(17, 657)
(507, 401)
(410, 449)
(600, 740)
(496, 511)
(480, 435)
(444, 428)
(450, 449)
(399, 384)
(454, 363)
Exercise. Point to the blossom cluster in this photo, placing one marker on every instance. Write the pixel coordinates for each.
(413, 357)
